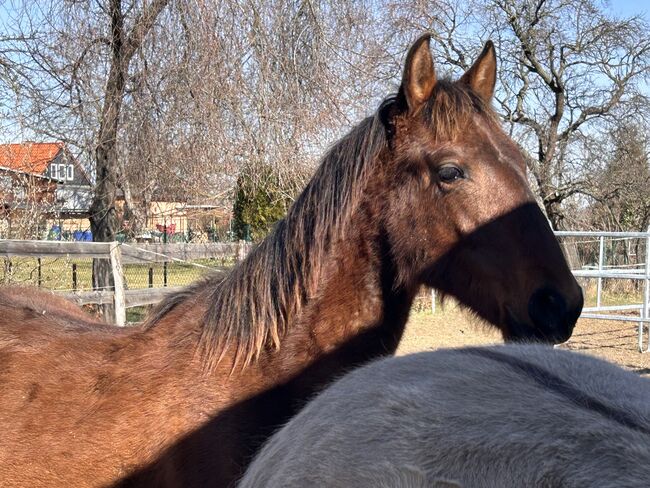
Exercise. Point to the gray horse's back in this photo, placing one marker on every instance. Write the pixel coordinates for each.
(504, 416)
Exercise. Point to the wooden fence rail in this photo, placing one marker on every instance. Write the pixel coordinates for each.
(118, 298)
(131, 253)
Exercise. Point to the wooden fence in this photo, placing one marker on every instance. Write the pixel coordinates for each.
(119, 299)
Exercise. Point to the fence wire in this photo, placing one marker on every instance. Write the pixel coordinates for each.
(75, 274)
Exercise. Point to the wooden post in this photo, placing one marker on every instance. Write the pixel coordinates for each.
(40, 272)
(150, 277)
(74, 276)
(118, 279)
(241, 250)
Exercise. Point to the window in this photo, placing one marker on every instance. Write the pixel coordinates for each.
(53, 171)
(69, 172)
(6, 183)
(62, 171)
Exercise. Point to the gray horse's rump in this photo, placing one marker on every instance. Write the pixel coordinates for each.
(504, 416)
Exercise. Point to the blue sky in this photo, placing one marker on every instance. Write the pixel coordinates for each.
(629, 7)
(621, 7)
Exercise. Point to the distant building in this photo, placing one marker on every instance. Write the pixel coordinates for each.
(20, 189)
(46, 179)
(26, 201)
(52, 160)
(181, 221)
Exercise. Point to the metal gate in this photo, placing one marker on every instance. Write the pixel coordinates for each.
(636, 271)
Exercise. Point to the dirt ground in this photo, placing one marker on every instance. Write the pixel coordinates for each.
(451, 327)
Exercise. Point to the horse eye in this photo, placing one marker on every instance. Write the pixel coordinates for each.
(449, 174)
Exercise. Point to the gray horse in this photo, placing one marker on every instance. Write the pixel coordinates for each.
(504, 416)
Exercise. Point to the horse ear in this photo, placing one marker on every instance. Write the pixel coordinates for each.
(419, 77)
(482, 76)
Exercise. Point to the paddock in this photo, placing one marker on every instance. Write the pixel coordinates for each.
(451, 327)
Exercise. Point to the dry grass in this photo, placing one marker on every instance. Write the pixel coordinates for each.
(451, 327)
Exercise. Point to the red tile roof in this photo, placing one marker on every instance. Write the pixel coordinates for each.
(30, 157)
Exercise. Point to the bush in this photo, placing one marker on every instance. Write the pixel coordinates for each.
(260, 201)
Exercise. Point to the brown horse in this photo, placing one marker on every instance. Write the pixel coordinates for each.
(20, 306)
(428, 190)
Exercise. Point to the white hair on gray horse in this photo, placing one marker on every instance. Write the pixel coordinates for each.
(502, 416)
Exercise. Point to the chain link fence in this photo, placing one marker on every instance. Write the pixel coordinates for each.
(69, 274)
(143, 269)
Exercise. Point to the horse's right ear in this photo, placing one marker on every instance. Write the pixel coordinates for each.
(419, 76)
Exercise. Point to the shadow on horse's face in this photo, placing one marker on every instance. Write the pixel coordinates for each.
(462, 217)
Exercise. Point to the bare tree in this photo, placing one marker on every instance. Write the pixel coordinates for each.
(124, 42)
(621, 195)
(581, 68)
(247, 84)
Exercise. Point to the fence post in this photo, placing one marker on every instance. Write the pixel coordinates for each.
(433, 300)
(74, 276)
(601, 262)
(118, 279)
(645, 313)
(241, 250)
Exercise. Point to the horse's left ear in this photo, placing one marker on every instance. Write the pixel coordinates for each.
(482, 76)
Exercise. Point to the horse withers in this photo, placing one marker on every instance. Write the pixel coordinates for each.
(506, 416)
(427, 190)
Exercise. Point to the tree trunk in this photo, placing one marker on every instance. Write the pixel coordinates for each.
(104, 221)
(555, 214)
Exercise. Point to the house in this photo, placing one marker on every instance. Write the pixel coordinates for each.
(26, 200)
(68, 211)
(19, 189)
(54, 161)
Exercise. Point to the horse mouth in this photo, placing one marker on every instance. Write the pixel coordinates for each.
(518, 331)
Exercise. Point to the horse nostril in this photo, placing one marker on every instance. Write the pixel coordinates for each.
(548, 312)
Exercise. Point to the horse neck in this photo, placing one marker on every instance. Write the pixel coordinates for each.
(359, 296)
(325, 269)
(357, 313)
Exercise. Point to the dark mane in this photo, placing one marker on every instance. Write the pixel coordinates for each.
(251, 307)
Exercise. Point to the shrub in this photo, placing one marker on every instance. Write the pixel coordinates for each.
(262, 198)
